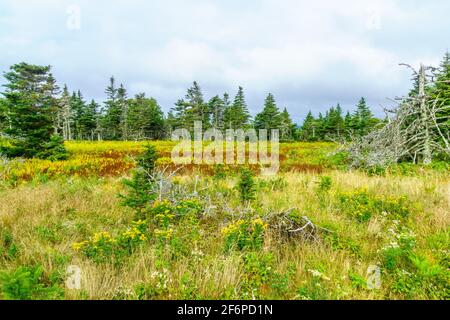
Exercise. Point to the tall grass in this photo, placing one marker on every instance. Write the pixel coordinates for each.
(41, 220)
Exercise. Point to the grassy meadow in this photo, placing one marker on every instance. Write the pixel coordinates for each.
(315, 231)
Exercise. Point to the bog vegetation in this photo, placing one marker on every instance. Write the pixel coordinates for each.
(135, 231)
(84, 215)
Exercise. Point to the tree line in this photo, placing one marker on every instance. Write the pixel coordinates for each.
(141, 118)
(35, 111)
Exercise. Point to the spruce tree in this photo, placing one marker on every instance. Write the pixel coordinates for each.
(226, 111)
(145, 118)
(287, 127)
(87, 120)
(270, 117)
(52, 92)
(29, 104)
(112, 120)
(180, 118)
(348, 124)
(442, 86)
(246, 186)
(216, 108)
(197, 106)
(191, 108)
(170, 123)
(321, 127)
(142, 190)
(334, 123)
(4, 119)
(122, 105)
(99, 115)
(308, 131)
(78, 106)
(226, 100)
(441, 92)
(66, 116)
(363, 120)
(237, 116)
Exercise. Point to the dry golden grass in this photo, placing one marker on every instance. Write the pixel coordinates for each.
(45, 219)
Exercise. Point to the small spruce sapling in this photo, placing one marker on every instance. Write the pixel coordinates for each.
(54, 149)
(142, 185)
(246, 186)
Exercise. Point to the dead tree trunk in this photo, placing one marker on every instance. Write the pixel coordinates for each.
(426, 156)
(412, 133)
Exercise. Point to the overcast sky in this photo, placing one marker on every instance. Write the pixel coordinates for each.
(309, 54)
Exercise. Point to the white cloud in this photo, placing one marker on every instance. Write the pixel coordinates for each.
(309, 54)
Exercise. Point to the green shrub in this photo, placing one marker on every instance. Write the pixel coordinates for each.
(244, 234)
(189, 289)
(145, 291)
(357, 281)
(220, 172)
(439, 243)
(54, 150)
(164, 213)
(26, 283)
(376, 171)
(8, 248)
(396, 254)
(317, 288)
(258, 274)
(281, 282)
(340, 242)
(443, 165)
(410, 274)
(423, 279)
(175, 226)
(49, 234)
(103, 247)
(338, 160)
(147, 160)
(142, 186)
(324, 185)
(362, 206)
(246, 186)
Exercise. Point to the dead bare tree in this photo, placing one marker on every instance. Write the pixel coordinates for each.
(414, 130)
(285, 226)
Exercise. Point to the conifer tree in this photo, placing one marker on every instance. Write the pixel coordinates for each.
(190, 109)
(180, 117)
(246, 186)
(122, 105)
(66, 115)
(216, 108)
(287, 127)
(309, 128)
(321, 127)
(198, 108)
(441, 92)
(111, 122)
(226, 100)
(363, 120)
(4, 119)
(88, 122)
(142, 189)
(170, 123)
(78, 106)
(29, 103)
(52, 92)
(348, 124)
(145, 118)
(334, 123)
(237, 116)
(270, 117)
